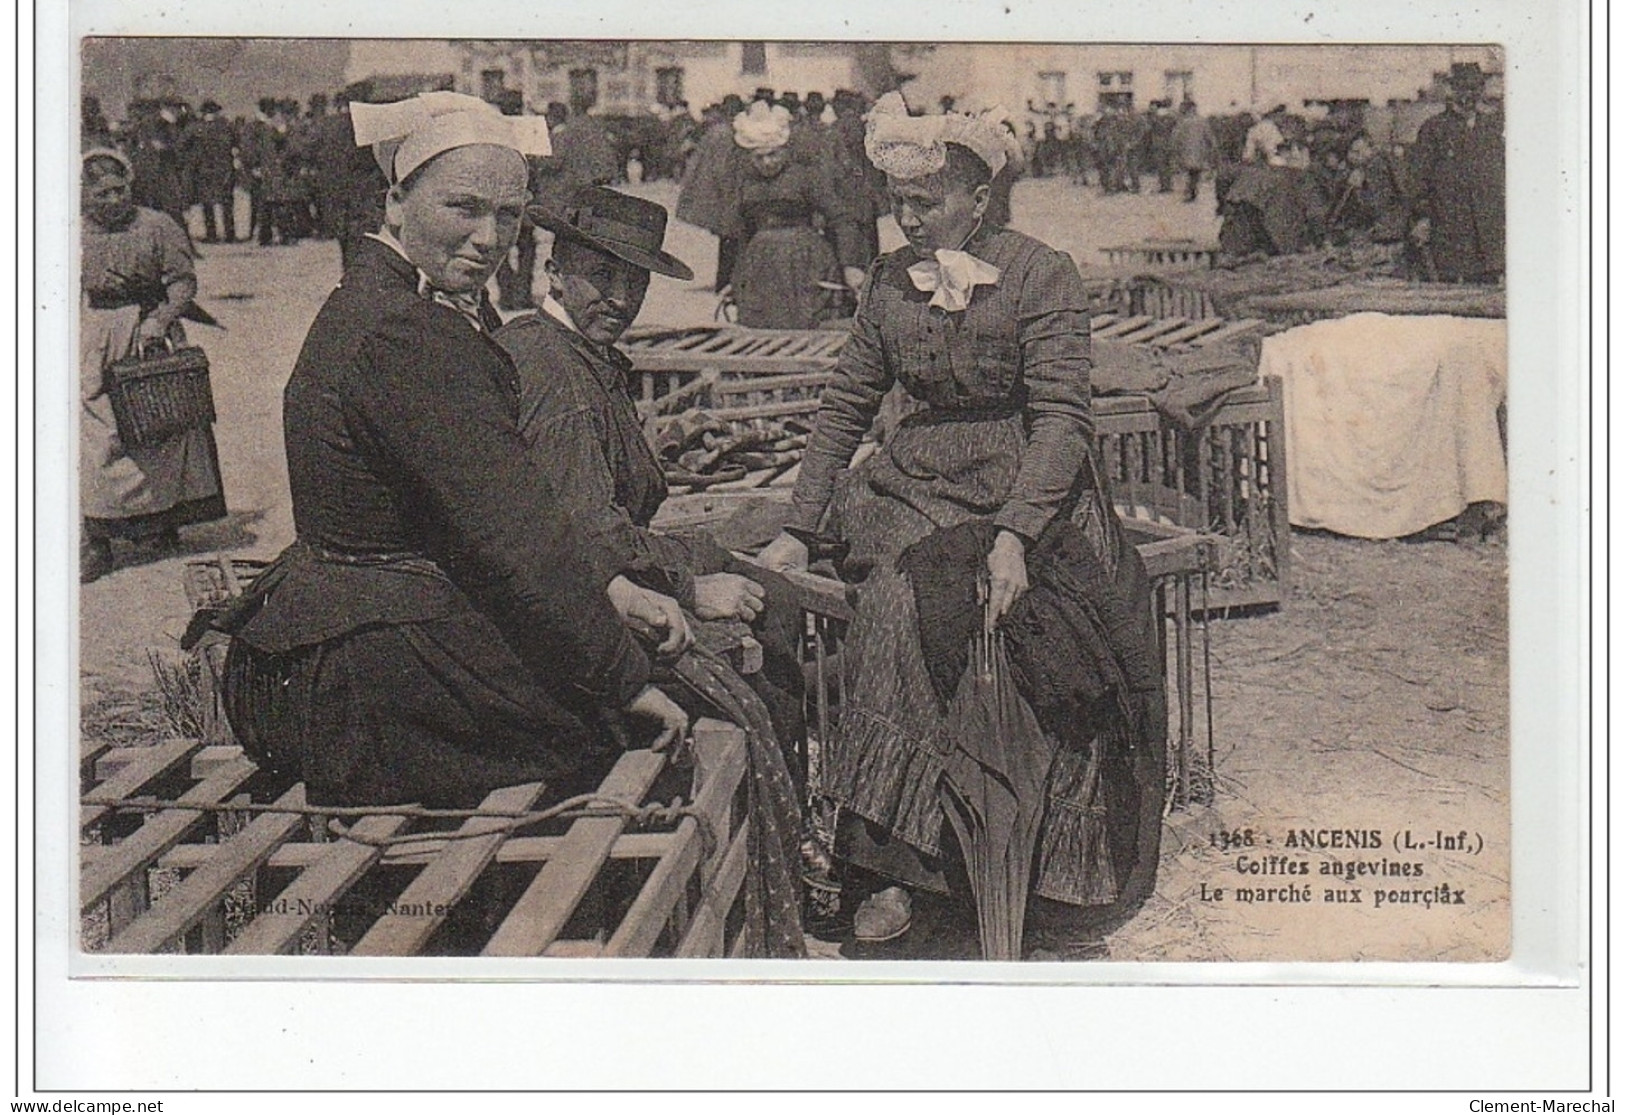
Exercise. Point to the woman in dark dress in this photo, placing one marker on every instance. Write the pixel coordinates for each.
(787, 276)
(438, 630)
(987, 330)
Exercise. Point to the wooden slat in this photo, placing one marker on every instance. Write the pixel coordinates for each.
(731, 385)
(1151, 331)
(156, 762)
(766, 410)
(733, 365)
(161, 832)
(542, 911)
(444, 882)
(1187, 332)
(191, 899)
(313, 894)
(89, 751)
(299, 856)
(712, 912)
(1231, 329)
(1127, 325)
(641, 926)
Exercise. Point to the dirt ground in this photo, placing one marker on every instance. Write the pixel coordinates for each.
(1375, 701)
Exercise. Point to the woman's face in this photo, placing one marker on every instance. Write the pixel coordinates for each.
(105, 199)
(459, 214)
(770, 162)
(936, 213)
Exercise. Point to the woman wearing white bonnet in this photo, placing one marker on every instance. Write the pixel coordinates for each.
(988, 488)
(787, 275)
(438, 630)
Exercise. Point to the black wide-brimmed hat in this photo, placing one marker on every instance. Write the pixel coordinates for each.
(1467, 73)
(624, 226)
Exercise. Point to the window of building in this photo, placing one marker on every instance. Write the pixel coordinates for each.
(1179, 85)
(1052, 87)
(753, 58)
(583, 90)
(492, 83)
(669, 85)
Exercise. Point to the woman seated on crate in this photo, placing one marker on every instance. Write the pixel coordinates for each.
(787, 276)
(986, 492)
(576, 413)
(136, 280)
(439, 629)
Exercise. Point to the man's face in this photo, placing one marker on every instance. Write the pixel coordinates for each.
(601, 293)
(459, 214)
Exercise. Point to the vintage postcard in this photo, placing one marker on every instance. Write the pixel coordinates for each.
(1289, 262)
(865, 504)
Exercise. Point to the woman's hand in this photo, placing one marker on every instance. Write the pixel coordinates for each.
(727, 596)
(652, 704)
(651, 615)
(785, 553)
(855, 277)
(152, 328)
(1007, 576)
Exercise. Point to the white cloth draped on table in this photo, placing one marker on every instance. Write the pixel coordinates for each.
(1391, 420)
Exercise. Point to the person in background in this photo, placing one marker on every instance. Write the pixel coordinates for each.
(707, 196)
(1193, 146)
(1458, 171)
(1265, 144)
(160, 180)
(209, 147)
(862, 187)
(438, 630)
(787, 276)
(1159, 144)
(136, 279)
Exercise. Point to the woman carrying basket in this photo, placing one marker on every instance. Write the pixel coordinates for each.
(987, 492)
(136, 279)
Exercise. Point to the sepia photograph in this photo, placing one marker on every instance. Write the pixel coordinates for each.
(831, 501)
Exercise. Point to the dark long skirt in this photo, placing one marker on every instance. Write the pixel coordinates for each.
(439, 712)
(777, 280)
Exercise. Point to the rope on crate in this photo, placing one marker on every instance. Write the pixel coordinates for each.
(572, 808)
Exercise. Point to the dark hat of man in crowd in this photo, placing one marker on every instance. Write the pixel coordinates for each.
(209, 106)
(814, 103)
(618, 224)
(732, 105)
(1466, 75)
(763, 93)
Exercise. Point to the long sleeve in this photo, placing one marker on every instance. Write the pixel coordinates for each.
(569, 442)
(846, 411)
(447, 426)
(851, 247)
(1053, 331)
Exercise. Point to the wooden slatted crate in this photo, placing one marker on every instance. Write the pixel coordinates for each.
(1228, 480)
(1170, 255)
(178, 856)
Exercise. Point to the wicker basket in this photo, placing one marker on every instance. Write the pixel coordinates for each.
(156, 397)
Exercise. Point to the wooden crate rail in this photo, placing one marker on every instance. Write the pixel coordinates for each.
(701, 855)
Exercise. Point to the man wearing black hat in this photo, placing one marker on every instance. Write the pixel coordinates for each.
(1458, 167)
(575, 409)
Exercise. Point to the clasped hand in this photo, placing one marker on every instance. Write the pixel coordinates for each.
(727, 596)
(1006, 580)
(652, 615)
